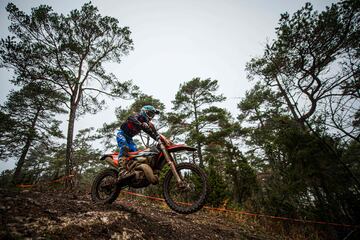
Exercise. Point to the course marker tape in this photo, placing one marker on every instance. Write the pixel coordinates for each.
(255, 214)
(54, 181)
(219, 209)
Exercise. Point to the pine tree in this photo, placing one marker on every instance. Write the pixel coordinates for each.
(28, 116)
(194, 114)
(68, 53)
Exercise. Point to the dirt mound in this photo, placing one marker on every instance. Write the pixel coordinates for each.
(38, 215)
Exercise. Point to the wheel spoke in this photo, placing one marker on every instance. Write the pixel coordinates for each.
(104, 187)
(189, 195)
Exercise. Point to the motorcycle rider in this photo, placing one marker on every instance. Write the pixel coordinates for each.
(131, 127)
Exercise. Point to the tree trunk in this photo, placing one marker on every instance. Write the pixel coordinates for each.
(289, 104)
(236, 186)
(201, 163)
(69, 143)
(26, 148)
(21, 160)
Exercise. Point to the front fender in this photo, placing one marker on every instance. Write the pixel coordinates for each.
(172, 149)
(180, 147)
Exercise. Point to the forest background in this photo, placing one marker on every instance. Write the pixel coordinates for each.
(291, 148)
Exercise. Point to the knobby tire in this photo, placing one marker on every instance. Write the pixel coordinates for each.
(95, 187)
(203, 196)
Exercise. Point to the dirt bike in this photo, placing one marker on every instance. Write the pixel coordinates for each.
(185, 186)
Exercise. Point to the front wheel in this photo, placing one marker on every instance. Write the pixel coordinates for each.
(190, 195)
(104, 188)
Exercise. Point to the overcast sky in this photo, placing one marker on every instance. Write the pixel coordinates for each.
(177, 40)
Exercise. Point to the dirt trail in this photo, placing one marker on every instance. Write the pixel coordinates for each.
(37, 215)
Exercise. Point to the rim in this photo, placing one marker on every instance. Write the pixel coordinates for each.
(190, 192)
(106, 187)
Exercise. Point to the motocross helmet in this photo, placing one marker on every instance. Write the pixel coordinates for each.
(149, 111)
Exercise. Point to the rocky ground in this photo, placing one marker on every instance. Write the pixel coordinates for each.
(37, 215)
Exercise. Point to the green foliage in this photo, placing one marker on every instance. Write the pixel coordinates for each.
(106, 133)
(85, 157)
(196, 92)
(223, 154)
(192, 117)
(6, 179)
(219, 188)
(28, 120)
(297, 174)
(67, 53)
(314, 65)
(293, 150)
(46, 162)
(300, 117)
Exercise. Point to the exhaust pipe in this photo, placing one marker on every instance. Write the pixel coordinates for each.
(149, 173)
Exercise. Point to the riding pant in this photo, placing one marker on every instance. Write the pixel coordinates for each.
(123, 142)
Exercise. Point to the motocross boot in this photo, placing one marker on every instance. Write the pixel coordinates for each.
(122, 167)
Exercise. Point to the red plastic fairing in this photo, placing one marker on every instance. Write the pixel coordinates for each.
(115, 158)
(115, 155)
(116, 162)
(180, 147)
(134, 153)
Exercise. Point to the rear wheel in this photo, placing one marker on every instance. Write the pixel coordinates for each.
(104, 188)
(189, 196)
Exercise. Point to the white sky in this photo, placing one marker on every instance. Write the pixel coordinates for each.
(177, 40)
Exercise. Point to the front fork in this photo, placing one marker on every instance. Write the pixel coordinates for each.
(170, 161)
